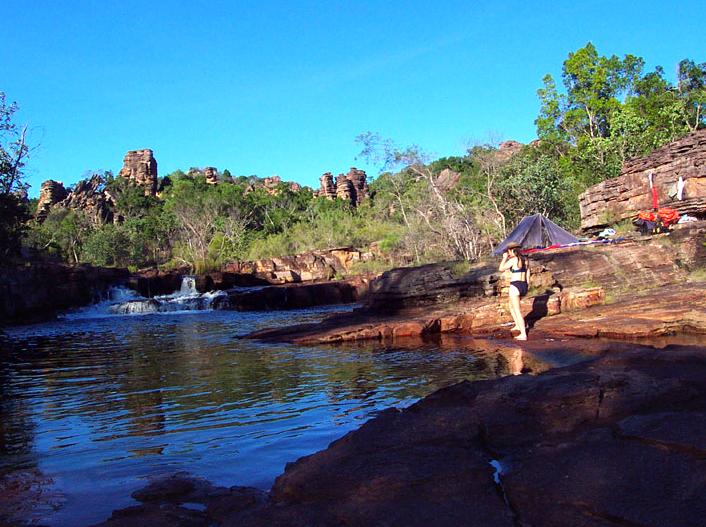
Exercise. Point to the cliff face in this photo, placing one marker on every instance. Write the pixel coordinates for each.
(622, 197)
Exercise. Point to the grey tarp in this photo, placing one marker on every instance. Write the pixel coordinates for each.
(536, 231)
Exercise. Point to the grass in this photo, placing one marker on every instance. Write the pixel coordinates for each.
(460, 268)
(371, 266)
(698, 275)
(624, 227)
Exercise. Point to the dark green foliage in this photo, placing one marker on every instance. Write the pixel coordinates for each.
(13, 215)
(13, 155)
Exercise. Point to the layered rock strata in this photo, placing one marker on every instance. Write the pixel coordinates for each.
(140, 168)
(617, 440)
(305, 267)
(622, 197)
(327, 187)
(644, 281)
(297, 296)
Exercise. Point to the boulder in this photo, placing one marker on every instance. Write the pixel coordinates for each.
(38, 291)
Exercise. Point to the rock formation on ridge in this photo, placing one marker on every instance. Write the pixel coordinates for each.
(90, 197)
(50, 193)
(328, 188)
(140, 168)
(352, 187)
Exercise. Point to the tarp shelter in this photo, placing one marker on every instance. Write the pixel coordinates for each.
(536, 231)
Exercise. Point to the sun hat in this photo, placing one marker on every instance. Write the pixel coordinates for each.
(513, 245)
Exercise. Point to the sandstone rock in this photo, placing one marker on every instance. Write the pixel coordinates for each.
(622, 197)
(296, 296)
(90, 197)
(140, 168)
(573, 298)
(507, 149)
(572, 283)
(351, 187)
(304, 267)
(50, 193)
(211, 175)
(447, 179)
(327, 186)
(345, 189)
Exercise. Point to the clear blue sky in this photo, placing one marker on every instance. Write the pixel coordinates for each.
(284, 87)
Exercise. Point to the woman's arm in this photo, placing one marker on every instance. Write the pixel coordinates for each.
(528, 271)
(506, 263)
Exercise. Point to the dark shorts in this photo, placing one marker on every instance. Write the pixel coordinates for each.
(521, 286)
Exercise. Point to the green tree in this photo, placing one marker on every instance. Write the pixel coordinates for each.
(13, 156)
(691, 84)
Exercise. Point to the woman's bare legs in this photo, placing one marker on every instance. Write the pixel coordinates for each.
(517, 313)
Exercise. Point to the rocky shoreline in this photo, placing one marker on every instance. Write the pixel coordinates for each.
(634, 289)
(616, 440)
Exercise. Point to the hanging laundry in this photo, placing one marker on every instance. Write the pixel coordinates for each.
(680, 188)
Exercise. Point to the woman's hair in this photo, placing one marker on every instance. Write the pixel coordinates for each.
(521, 258)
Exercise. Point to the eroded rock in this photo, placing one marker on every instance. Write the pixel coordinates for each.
(50, 193)
(140, 168)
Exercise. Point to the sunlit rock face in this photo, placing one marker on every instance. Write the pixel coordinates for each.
(327, 188)
(51, 192)
(140, 168)
(622, 197)
(352, 187)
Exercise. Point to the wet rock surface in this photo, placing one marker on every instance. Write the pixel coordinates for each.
(615, 440)
(295, 296)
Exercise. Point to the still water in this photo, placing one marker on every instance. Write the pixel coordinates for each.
(91, 407)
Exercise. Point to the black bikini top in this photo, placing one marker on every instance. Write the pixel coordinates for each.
(521, 269)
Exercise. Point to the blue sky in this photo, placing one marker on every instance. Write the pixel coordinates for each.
(284, 87)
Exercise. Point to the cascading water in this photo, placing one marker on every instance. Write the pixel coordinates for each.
(187, 298)
(124, 301)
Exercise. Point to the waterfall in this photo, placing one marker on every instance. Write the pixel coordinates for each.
(123, 301)
(188, 286)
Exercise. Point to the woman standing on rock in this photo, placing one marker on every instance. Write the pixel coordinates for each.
(518, 266)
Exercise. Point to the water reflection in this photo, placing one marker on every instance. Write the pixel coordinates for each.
(96, 406)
